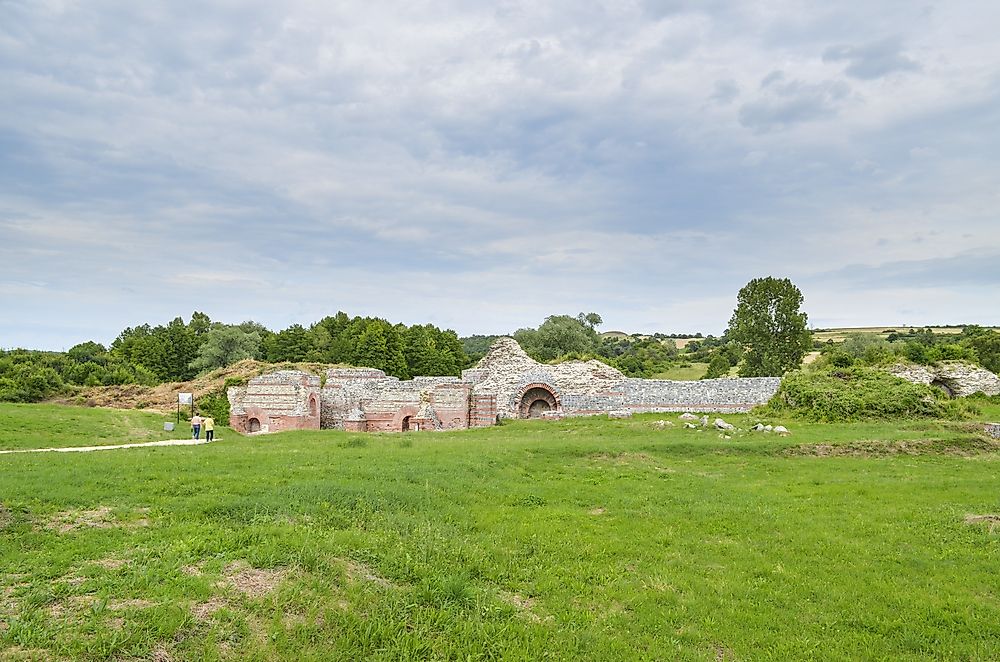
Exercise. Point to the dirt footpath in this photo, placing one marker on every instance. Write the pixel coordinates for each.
(87, 449)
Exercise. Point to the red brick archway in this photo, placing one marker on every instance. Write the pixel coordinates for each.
(535, 400)
(403, 420)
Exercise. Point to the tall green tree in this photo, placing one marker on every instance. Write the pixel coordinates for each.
(225, 345)
(559, 335)
(770, 326)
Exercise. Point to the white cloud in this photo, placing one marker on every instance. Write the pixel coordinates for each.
(418, 160)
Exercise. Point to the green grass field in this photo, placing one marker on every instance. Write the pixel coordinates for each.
(687, 372)
(565, 540)
(57, 426)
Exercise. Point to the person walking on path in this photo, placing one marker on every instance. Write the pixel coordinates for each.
(196, 421)
(209, 425)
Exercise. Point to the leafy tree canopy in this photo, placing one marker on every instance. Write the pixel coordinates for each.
(770, 326)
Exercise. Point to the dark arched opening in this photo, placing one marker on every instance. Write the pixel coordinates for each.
(937, 383)
(313, 407)
(253, 425)
(406, 424)
(536, 401)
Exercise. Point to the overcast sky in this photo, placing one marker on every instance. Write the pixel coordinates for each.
(481, 165)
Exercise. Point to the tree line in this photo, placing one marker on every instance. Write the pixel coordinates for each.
(767, 336)
(179, 351)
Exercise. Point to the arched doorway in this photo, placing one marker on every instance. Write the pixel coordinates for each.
(313, 407)
(406, 424)
(253, 425)
(944, 387)
(536, 400)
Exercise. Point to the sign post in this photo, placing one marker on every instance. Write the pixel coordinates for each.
(184, 399)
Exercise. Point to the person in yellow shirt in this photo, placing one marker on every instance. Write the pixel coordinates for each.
(209, 424)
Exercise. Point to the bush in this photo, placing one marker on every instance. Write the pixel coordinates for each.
(856, 393)
(216, 405)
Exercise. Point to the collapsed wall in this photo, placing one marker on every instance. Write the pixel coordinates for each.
(956, 378)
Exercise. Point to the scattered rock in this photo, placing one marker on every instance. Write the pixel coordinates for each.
(598, 511)
(663, 424)
(768, 428)
(758, 428)
(690, 426)
(704, 421)
(782, 430)
(722, 425)
(687, 416)
(620, 413)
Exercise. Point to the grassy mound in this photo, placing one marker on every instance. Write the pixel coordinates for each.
(857, 394)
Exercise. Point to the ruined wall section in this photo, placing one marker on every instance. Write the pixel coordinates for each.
(591, 387)
(390, 405)
(958, 377)
(733, 395)
(344, 390)
(425, 403)
(506, 371)
(283, 400)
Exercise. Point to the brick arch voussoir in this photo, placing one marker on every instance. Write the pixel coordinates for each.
(551, 390)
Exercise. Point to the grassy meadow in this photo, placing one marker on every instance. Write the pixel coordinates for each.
(58, 426)
(563, 540)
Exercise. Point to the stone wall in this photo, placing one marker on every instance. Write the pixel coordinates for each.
(591, 387)
(344, 390)
(506, 383)
(993, 429)
(734, 395)
(956, 377)
(283, 400)
(391, 405)
(506, 372)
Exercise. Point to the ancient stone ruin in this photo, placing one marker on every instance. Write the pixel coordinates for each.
(956, 378)
(506, 383)
(284, 400)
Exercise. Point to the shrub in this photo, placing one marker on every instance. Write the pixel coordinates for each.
(216, 405)
(234, 381)
(856, 393)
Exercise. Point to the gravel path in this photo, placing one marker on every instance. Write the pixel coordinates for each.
(87, 449)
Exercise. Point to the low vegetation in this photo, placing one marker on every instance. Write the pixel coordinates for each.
(859, 393)
(574, 539)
